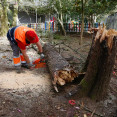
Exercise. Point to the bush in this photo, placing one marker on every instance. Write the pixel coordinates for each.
(56, 36)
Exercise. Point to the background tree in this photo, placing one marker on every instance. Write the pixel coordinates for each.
(89, 9)
(80, 4)
(3, 17)
(15, 12)
(99, 8)
(60, 8)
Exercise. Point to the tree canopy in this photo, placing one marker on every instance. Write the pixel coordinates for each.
(64, 10)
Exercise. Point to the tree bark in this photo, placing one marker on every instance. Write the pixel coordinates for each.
(82, 25)
(59, 68)
(1, 15)
(60, 18)
(4, 18)
(92, 21)
(99, 66)
(84, 69)
(63, 31)
(15, 13)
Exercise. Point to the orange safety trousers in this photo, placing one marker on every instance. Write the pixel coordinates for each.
(18, 60)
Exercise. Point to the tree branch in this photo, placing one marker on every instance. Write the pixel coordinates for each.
(85, 108)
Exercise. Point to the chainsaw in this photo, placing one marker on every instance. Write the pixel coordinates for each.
(39, 63)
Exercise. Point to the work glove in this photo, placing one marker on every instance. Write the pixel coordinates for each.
(30, 65)
(42, 56)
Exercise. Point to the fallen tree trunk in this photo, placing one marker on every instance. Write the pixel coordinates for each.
(59, 68)
(99, 65)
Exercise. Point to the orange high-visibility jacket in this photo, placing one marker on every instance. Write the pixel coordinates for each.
(20, 33)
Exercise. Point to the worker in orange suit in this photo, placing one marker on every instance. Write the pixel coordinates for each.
(20, 37)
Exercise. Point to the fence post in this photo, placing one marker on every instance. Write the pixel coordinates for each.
(99, 24)
(69, 27)
(85, 26)
(45, 26)
(79, 26)
(49, 26)
(53, 25)
(58, 27)
(96, 25)
(103, 25)
(65, 25)
(74, 26)
(89, 26)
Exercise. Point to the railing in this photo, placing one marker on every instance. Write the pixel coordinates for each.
(69, 27)
(76, 27)
(42, 26)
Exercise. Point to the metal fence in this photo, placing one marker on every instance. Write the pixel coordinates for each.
(69, 27)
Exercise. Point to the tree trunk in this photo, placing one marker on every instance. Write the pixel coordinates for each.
(99, 66)
(59, 68)
(84, 69)
(1, 15)
(15, 13)
(4, 19)
(63, 29)
(82, 25)
(92, 21)
(60, 19)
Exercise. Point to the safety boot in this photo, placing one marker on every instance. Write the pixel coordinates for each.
(18, 69)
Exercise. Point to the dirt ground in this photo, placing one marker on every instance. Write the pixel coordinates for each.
(31, 94)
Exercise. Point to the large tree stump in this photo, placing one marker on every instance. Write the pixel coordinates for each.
(60, 69)
(99, 65)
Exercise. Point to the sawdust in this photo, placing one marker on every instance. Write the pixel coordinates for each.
(12, 80)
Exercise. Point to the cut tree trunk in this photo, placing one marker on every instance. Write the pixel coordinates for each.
(99, 65)
(60, 69)
(84, 69)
